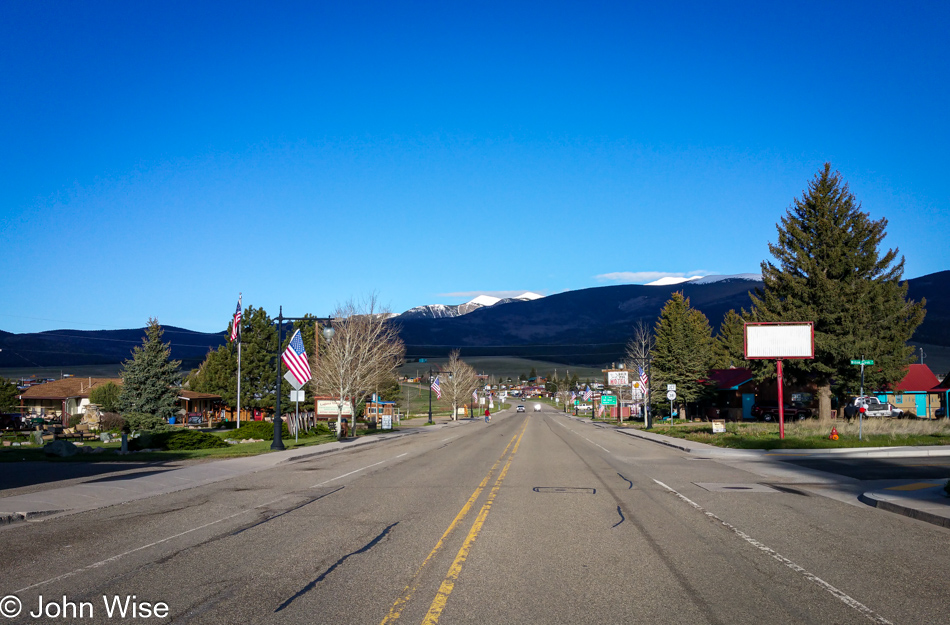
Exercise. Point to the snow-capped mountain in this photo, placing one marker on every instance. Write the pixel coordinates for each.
(667, 281)
(440, 311)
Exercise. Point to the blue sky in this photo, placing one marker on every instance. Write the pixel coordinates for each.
(160, 157)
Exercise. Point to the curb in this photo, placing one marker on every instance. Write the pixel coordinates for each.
(8, 518)
(357, 443)
(928, 517)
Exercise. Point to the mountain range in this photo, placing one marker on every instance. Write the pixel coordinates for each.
(588, 326)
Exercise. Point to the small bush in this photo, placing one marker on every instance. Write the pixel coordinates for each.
(321, 428)
(259, 429)
(74, 420)
(111, 422)
(139, 421)
(177, 440)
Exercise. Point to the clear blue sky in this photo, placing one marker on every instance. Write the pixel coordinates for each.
(160, 157)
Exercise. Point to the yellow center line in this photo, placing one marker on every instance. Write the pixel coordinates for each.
(396, 609)
(448, 584)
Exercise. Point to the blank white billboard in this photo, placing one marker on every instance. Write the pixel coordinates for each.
(779, 340)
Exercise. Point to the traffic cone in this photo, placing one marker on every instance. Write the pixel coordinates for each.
(834, 434)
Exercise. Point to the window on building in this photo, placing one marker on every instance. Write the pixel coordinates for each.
(899, 398)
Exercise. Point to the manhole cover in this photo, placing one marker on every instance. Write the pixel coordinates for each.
(732, 488)
(565, 489)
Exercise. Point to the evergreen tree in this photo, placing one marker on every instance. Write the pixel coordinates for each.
(8, 395)
(150, 379)
(106, 396)
(682, 352)
(829, 270)
(729, 347)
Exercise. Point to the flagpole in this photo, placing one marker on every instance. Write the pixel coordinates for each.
(240, 295)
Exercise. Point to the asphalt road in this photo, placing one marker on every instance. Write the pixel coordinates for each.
(534, 518)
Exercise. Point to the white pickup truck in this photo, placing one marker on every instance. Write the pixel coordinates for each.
(873, 407)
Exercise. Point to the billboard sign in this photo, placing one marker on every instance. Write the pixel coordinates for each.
(779, 340)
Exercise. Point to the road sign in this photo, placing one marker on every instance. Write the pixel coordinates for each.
(293, 381)
(297, 396)
(608, 400)
(671, 387)
(862, 362)
(671, 395)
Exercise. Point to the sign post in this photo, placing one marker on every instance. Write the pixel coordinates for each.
(671, 395)
(779, 341)
(862, 409)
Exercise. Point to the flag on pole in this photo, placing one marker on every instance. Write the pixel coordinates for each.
(643, 377)
(475, 395)
(435, 386)
(236, 325)
(295, 357)
(587, 394)
(573, 396)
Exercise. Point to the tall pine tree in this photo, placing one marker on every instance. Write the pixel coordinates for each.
(682, 353)
(728, 346)
(829, 270)
(150, 379)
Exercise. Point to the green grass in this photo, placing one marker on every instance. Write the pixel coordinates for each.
(35, 454)
(814, 435)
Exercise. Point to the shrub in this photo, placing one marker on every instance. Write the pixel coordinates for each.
(177, 440)
(321, 428)
(106, 396)
(139, 421)
(259, 429)
(111, 422)
(74, 420)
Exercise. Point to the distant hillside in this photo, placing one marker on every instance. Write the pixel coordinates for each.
(66, 348)
(591, 326)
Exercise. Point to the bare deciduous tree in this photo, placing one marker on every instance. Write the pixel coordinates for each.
(364, 353)
(457, 389)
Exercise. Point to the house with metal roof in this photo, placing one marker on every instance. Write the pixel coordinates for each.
(918, 393)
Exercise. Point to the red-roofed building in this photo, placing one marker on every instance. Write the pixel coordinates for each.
(917, 393)
(735, 392)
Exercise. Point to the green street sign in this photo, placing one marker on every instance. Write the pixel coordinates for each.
(862, 362)
(608, 400)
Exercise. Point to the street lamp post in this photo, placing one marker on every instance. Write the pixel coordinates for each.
(278, 444)
(430, 391)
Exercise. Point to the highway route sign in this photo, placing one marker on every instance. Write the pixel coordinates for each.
(671, 395)
(608, 400)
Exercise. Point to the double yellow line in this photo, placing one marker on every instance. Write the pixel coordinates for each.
(442, 596)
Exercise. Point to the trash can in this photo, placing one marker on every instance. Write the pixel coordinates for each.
(171, 420)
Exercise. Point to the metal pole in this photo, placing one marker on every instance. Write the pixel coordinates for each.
(239, 381)
(781, 400)
(430, 395)
(278, 443)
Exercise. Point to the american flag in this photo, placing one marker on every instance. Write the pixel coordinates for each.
(587, 394)
(643, 377)
(475, 395)
(435, 386)
(236, 325)
(295, 357)
(573, 396)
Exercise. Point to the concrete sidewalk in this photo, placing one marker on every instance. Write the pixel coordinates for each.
(121, 489)
(924, 500)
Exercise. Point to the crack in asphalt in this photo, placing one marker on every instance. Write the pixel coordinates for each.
(622, 519)
(288, 511)
(323, 575)
(627, 481)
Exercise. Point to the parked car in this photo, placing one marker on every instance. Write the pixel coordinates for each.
(768, 411)
(520, 408)
(940, 413)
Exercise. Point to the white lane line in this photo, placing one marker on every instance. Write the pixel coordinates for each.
(844, 598)
(593, 443)
(96, 565)
(357, 471)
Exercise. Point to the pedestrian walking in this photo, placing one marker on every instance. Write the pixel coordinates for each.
(487, 415)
